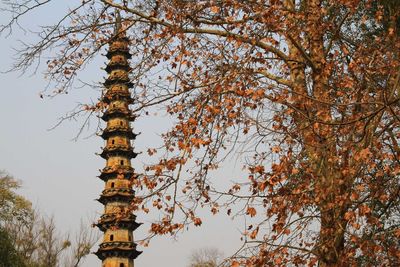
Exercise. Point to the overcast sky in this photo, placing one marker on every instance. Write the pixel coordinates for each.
(59, 175)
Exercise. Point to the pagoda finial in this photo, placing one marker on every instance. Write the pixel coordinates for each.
(118, 23)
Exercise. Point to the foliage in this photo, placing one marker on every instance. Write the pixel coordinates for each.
(28, 239)
(9, 257)
(12, 205)
(305, 92)
(40, 244)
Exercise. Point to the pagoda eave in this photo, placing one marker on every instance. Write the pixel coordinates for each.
(116, 196)
(113, 113)
(117, 249)
(106, 154)
(109, 173)
(125, 53)
(110, 81)
(131, 225)
(111, 67)
(120, 37)
(118, 96)
(124, 131)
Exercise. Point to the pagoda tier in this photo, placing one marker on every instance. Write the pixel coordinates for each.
(110, 172)
(118, 112)
(116, 195)
(118, 150)
(117, 222)
(118, 130)
(108, 221)
(118, 77)
(117, 250)
(119, 46)
(118, 92)
(118, 62)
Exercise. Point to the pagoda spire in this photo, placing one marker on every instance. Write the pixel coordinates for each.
(117, 222)
(118, 23)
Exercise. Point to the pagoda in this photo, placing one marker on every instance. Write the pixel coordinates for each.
(117, 222)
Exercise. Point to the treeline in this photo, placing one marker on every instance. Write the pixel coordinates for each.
(30, 239)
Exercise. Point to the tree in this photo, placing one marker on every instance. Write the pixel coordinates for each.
(82, 245)
(9, 257)
(28, 239)
(307, 91)
(12, 205)
(40, 244)
(205, 257)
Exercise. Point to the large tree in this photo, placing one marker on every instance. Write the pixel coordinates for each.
(306, 90)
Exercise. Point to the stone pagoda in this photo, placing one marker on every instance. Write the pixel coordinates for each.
(117, 222)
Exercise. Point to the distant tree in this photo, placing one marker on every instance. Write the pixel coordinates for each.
(29, 239)
(12, 205)
(41, 245)
(9, 256)
(206, 257)
(81, 246)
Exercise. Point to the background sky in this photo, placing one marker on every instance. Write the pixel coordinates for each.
(59, 175)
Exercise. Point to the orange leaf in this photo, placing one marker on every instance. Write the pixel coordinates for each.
(215, 9)
(276, 149)
(253, 234)
(251, 211)
(397, 233)
(278, 261)
(197, 221)
(262, 186)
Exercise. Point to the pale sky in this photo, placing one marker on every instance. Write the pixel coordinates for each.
(59, 175)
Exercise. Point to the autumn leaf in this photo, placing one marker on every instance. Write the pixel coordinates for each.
(262, 185)
(257, 169)
(192, 121)
(397, 233)
(251, 211)
(215, 9)
(363, 154)
(197, 221)
(295, 171)
(278, 261)
(364, 210)
(349, 215)
(254, 233)
(276, 149)
(354, 196)
(214, 210)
